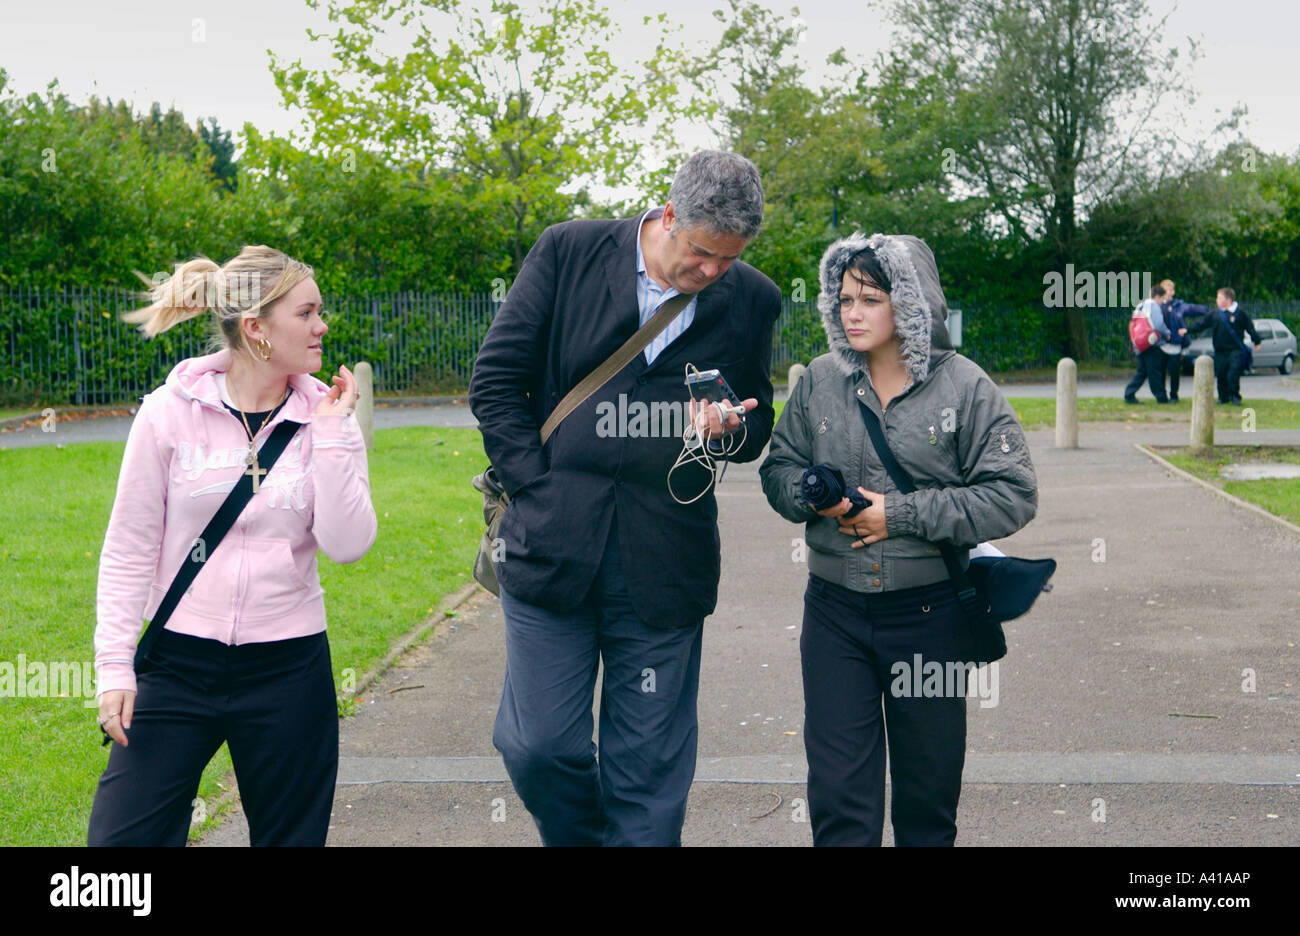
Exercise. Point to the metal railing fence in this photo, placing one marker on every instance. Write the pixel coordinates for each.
(70, 345)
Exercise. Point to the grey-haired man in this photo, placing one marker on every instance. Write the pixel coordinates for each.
(601, 562)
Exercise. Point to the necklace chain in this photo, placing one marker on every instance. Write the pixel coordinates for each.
(251, 460)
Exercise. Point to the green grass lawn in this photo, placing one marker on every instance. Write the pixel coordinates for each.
(1040, 413)
(430, 522)
(1088, 370)
(1279, 496)
(35, 408)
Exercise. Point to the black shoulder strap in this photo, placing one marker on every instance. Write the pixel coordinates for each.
(1223, 316)
(212, 535)
(621, 357)
(966, 593)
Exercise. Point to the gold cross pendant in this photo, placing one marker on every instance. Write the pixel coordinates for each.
(254, 470)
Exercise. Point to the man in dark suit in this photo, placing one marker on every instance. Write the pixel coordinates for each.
(602, 560)
(1231, 324)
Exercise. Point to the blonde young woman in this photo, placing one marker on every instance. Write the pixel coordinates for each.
(879, 599)
(243, 659)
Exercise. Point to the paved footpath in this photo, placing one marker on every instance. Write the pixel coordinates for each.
(115, 428)
(1093, 705)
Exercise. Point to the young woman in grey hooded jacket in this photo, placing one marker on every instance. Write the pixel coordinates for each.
(879, 601)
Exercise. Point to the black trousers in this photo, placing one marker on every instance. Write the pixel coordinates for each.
(858, 653)
(1174, 368)
(1151, 369)
(273, 703)
(1227, 375)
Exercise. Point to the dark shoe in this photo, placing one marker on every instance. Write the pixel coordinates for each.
(1163, 402)
(1130, 399)
(1236, 401)
(1174, 398)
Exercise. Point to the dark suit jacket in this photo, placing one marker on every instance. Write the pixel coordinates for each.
(573, 303)
(1224, 327)
(1176, 312)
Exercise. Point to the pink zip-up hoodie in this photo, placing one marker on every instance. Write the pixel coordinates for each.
(184, 453)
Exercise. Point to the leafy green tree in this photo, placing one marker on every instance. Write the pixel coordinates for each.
(992, 274)
(869, 151)
(170, 135)
(1234, 221)
(222, 149)
(1064, 92)
(519, 109)
(364, 226)
(812, 146)
(82, 201)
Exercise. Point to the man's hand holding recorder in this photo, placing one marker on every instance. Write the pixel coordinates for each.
(715, 409)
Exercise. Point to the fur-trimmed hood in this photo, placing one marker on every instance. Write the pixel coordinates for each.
(920, 311)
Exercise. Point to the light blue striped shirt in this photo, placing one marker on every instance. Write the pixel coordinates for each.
(650, 297)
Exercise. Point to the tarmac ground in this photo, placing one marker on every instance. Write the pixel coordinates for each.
(1119, 716)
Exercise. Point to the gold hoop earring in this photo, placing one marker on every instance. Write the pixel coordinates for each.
(264, 348)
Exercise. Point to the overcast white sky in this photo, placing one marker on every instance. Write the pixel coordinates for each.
(143, 50)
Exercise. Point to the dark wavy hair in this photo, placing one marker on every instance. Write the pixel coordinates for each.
(866, 267)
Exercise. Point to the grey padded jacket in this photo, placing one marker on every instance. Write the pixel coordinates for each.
(951, 429)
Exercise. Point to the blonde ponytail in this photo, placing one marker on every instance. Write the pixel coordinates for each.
(185, 294)
(246, 287)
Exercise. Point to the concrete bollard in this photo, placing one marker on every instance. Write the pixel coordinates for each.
(1067, 403)
(1202, 405)
(796, 371)
(366, 402)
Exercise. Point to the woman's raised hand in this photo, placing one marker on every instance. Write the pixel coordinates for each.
(342, 398)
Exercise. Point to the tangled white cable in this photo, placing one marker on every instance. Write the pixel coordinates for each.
(695, 444)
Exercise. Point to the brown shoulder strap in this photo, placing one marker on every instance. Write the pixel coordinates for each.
(616, 361)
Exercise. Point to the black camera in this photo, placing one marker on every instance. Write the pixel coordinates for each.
(823, 487)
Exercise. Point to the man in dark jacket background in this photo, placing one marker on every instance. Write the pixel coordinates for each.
(1230, 323)
(601, 561)
(1176, 312)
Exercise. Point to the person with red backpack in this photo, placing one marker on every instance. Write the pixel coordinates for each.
(1147, 331)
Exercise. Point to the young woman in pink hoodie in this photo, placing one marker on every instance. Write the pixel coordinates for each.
(244, 657)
